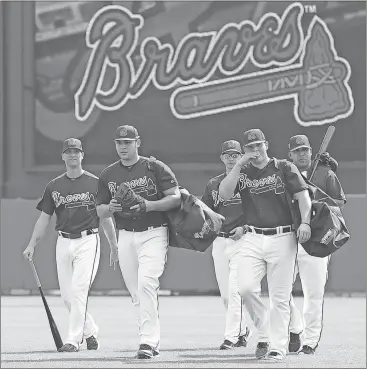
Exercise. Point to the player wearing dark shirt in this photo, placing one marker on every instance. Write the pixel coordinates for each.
(270, 244)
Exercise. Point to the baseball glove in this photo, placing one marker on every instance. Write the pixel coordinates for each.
(329, 161)
(127, 198)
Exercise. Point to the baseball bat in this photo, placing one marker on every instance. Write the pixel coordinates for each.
(323, 147)
(55, 332)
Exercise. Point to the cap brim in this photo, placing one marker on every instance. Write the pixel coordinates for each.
(254, 142)
(231, 150)
(126, 139)
(76, 148)
(298, 147)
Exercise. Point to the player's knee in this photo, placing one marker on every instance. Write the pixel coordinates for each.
(225, 301)
(245, 290)
(148, 284)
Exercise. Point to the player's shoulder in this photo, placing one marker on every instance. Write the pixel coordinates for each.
(90, 175)
(110, 168)
(216, 180)
(60, 178)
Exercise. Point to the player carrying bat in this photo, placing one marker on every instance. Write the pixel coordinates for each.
(312, 270)
(71, 196)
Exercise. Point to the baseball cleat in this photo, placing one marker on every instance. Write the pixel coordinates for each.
(68, 347)
(146, 352)
(274, 356)
(307, 350)
(243, 339)
(262, 349)
(294, 342)
(92, 343)
(227, 345)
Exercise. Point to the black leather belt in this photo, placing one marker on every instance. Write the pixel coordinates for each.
(224, 234)
(144, 229)
(74, 236)
(270, 231)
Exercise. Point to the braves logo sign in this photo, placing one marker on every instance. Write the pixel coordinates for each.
(318, 83)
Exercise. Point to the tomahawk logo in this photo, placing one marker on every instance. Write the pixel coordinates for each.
(318, 83)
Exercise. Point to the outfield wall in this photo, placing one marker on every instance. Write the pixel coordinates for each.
(186, 271)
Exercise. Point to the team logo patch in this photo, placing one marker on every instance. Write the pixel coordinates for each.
(318, 83)
(231, 145)
(299, 141)
(123, 132)
(251, 136)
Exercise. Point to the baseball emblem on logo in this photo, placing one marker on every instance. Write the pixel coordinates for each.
(251, 136)
(72, 141)
(123, 132)
(299, 140)
(231, 145)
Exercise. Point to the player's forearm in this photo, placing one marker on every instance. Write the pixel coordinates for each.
(103, 211)
(340, 203)
(167, 203)
(109, 230)
(229, 183)
(39, 230)
(304, 204)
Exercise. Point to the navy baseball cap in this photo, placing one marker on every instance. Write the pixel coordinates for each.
(231, 146)
(253, 136)
(72, 143)
(126, 132)
(298, 141)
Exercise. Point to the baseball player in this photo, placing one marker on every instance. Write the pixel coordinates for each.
(269, 244)
(142, 240)
(225, 250)
(71, 196)
(312, 270)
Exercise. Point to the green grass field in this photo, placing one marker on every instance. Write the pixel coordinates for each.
(191, 332)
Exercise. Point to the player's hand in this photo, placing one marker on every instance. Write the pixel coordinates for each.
(114, 257)
(303, 233)
(218, 220)
(28, 252)
(236, 233)
(246, 158)
(114, 206)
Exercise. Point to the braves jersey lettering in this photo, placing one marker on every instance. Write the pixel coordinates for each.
(144, 182)
(73, 202)
(263, 194)
(230, 209)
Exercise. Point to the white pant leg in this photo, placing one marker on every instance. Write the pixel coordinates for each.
(152, 253)
(251, 268)
(313, 273)
(235, 317)
(128, 261)
(221, 267)
(296, 323)
(280, 255)
(81, 258)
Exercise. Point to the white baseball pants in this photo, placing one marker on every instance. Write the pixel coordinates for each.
(142, 257)
(313, 273)
(77, 264)
(225, 254)
(274, 255)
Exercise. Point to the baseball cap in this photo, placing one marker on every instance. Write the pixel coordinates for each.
(253, 136)
(231, 146)
(126, 132)
(72, 143)
(298, 141)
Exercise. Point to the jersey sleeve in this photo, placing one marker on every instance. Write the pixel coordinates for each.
(167, 178)
(334, 188)
(294, 181)
(103, 192)
(207, 197)
(47, 203)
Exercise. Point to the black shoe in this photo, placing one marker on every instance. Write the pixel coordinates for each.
(226, 345)
(294, 342)
(274, 356)
(92, 343)
(146, 352)
(307, 350)
(68, 347)
(262, 349)
(243, 340)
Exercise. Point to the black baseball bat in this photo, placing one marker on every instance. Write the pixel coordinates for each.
(324, 145)
(51, 321)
